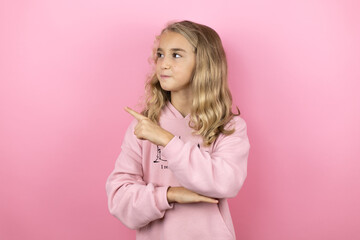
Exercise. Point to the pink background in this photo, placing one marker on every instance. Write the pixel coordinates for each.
(68, 68)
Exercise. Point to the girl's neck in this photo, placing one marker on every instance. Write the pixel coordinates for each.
(182, 102)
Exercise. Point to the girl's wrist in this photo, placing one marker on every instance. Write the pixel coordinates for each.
(167, 138)
(169, 195)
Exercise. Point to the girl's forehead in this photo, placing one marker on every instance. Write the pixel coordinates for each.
(169, 40)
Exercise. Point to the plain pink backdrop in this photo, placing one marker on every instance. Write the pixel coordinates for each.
(68, 68)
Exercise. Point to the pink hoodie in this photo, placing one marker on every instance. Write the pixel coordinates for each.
(137, 187)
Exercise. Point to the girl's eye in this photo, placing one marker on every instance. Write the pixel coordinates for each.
(175, 55)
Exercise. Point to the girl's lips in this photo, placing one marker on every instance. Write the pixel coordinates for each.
(164, 76)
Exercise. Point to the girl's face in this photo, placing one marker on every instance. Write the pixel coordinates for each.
(175, 62)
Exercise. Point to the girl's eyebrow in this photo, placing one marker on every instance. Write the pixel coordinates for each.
(173, 49)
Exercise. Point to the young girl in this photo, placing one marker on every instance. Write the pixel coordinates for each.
(186, 152)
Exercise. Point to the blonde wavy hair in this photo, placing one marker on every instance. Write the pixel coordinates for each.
(212, 100)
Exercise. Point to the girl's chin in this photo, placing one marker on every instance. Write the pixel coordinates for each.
(164, 87)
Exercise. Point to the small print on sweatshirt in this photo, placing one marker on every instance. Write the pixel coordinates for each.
(162, 161)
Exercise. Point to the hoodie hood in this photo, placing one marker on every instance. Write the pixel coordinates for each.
(169, 111)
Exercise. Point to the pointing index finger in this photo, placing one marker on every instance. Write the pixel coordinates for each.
(137, 115)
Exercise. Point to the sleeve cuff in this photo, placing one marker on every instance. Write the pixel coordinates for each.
(172, 148)
(161, 198)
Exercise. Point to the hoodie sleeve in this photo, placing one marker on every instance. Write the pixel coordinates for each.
(131, 200)
(220, 174)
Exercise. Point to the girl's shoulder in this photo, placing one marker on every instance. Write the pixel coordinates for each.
(236, 122)
(239, 126)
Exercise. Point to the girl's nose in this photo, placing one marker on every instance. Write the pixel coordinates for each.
(165, 64)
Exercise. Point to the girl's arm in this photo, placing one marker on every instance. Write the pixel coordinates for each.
(220, 174)
(130, 199)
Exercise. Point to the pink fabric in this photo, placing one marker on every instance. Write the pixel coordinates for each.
(137, 187)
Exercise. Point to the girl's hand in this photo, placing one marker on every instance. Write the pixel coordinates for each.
(183, 195)
(148, 130)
